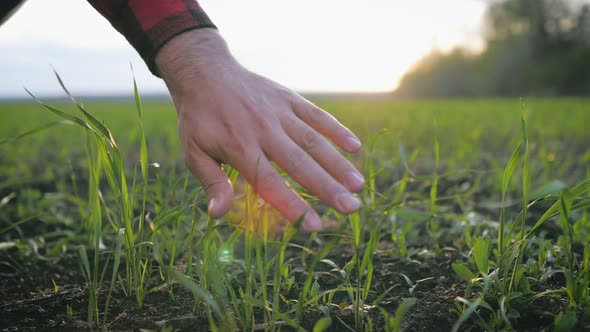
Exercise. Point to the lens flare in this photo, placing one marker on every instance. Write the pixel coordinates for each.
(253, 214)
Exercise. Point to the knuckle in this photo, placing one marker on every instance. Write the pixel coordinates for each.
(191, 160)
(315, 114)
(289, 121)
(295, 160)
(267, 182)
(233, 145)
(287, 94)
(331, 189)
(310, 140)
(212, 183)
(263, 121)
(231, 139)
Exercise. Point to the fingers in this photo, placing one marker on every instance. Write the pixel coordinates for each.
(267, 182)
(325, 154)
(306, 171)
(325, 124)
(213, 179)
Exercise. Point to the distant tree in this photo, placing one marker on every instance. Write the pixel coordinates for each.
(534, 47)
(440, 75)
(546, 22)
(582, 31)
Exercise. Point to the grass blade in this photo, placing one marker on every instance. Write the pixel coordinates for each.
(508, 171)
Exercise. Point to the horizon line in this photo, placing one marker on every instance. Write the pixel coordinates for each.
(162, 96)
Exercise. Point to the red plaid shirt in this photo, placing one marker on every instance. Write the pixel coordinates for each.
(147, 24)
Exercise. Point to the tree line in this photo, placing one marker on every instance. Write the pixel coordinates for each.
(533, 48)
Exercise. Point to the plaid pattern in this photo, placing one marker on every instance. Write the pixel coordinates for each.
(149, 24)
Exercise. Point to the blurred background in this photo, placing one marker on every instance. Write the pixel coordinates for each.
(409, 49)
(531, 48)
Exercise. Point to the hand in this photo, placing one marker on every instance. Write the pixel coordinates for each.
(231, 115)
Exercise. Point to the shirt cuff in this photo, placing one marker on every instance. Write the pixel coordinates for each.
(149, 24)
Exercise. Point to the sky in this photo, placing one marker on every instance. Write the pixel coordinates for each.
(308, 45)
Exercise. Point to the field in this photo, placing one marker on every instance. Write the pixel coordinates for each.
(474, 217)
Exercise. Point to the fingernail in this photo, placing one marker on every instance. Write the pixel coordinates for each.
(348, 202)
(211, 205)
(312, 223)
(355, 180)
(353, 143)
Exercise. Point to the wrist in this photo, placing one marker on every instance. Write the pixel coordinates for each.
(192, 57)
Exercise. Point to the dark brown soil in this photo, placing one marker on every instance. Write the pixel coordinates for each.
(35, 293)
(29, 300)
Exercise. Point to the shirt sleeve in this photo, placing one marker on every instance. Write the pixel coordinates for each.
(150, 24)
(7, 8)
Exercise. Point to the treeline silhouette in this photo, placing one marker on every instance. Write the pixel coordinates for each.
(533, 48)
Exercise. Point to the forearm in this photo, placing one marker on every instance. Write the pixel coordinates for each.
(149, 24)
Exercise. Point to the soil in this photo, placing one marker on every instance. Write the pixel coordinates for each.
(37, 293)
(29, 299)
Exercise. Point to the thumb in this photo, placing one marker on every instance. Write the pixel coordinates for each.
(214, 181)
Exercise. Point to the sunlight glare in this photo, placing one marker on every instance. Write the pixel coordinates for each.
(309, 46)
(336, 45)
